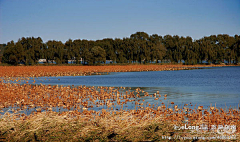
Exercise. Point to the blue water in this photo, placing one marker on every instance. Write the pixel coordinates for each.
(208, 86)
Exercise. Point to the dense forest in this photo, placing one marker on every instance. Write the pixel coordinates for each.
(138, 48)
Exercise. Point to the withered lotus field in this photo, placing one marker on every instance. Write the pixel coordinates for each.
(53, 112)
(38, 71)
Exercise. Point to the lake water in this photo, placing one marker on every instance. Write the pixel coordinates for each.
(216, 85)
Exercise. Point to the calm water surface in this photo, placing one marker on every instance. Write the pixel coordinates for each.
(217, 85)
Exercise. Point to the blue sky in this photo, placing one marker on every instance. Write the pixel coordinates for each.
(98, 19)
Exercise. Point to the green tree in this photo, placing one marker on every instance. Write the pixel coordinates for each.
(55, 51)
(96, 55)
(158, 52)
(13, 53)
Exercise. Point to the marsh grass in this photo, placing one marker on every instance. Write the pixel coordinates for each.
(52, 126)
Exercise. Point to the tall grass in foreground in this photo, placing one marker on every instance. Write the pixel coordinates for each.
(114, 126)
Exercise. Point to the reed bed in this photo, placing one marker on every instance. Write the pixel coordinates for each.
(51, 126)
(114, 126)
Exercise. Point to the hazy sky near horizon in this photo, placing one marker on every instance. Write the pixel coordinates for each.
(98, 19)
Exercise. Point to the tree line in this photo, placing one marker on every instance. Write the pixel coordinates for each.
(138, 48)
